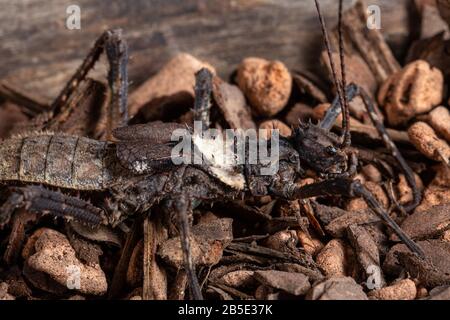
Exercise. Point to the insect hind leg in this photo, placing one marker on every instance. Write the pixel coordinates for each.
(112, 42)
(9, 206)
(202, 104)
(350, 188)
(181, 206)
(117, 52)
(41, 200)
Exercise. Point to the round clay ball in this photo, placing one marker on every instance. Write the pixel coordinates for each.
(266, 84)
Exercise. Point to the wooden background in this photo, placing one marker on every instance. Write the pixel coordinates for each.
(38, 53)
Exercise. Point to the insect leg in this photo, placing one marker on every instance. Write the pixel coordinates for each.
(202, 104)
(80, 74)
(7, 209)
(41, 200)
(333, 112)
(117, 52)
(181, 207)
(359, 190)
(116, 49)
(335, 109)
(350, 188)
(390, 145)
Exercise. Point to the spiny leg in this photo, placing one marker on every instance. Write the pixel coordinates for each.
(335, 109)
(342, 103)
(390, 145)
(116, 49)
(358, 189)
(41, 200)
(117, 53)
(7, 209)
(81, 73)
(202, 104)
(350, 188)
(181, 207)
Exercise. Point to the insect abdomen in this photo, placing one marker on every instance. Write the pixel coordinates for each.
(57, 160)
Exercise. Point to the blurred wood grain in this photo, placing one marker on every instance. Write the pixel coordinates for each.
(38, 53)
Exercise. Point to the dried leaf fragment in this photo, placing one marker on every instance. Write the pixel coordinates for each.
(239, 278)
(431, 272)
(366, 250)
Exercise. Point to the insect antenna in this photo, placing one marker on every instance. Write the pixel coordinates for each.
(345, 108)
(340, 85)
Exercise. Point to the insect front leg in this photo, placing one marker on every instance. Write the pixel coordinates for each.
(181, 205)
(350, 188)
(41, 200)
(335, 109)
(352, 165)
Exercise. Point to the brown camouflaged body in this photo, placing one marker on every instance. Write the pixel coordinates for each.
(59, 160)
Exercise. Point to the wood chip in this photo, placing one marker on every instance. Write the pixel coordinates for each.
(174, 83)
(306, 83)
(401, 290)
(431, 272)
(366, 250)
(155, 277)
(231, 102)
(293, 283)
(426, 224)
(344, 288)
(332, 258)
(337, 227)
(55, 257)
(207, 243)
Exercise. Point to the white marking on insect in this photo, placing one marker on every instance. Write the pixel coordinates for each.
(140, 166)
(222, 160)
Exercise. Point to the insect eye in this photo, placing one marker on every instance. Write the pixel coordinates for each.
(331, 150)
(293, 158)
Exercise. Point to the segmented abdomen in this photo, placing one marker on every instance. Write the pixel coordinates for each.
(57, 160)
